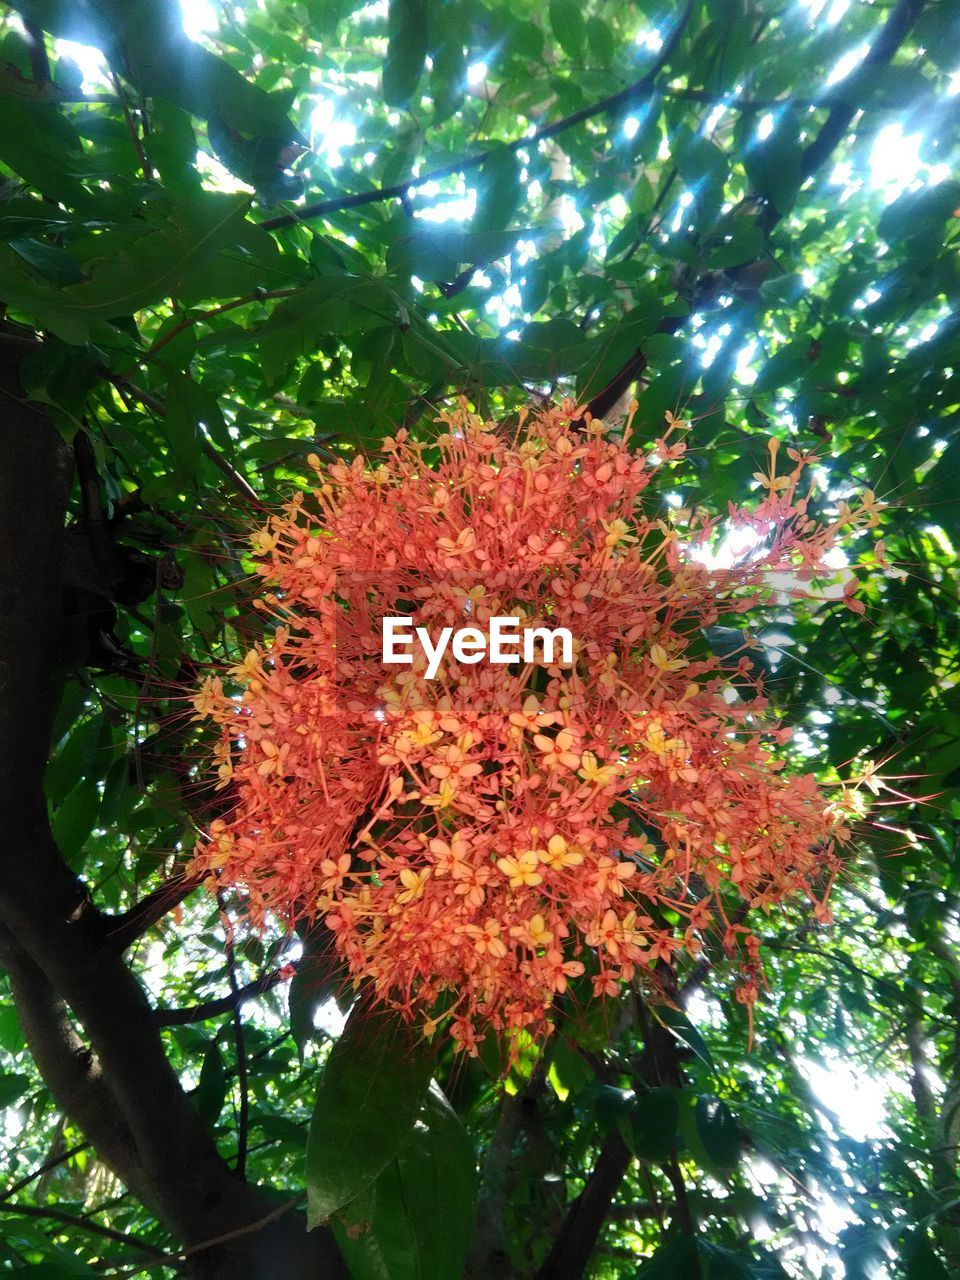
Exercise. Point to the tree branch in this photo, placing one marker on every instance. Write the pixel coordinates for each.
(53, 1163)
(570, 1254)
(901, 19)
(85, 1224)
(488, 1258)
(121, 1090)
(894, 31)
(123, 930)
(645, 87)
(39, 61)
(238, 482)
(243, 1117)
(216, 1008)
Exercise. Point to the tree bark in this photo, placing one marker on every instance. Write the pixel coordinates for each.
(111, 1075)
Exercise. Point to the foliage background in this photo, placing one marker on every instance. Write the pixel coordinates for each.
(291, 231)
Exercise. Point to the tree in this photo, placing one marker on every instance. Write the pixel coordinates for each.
(307, 226)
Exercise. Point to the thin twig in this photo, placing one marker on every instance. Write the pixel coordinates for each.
(241, 485)
(257, 295)
(84, 1224)
(243, 1119)
(53, 1163)
(145, 167)
(125, 929)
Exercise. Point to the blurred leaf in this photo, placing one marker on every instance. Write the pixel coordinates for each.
(406, 51)
(12, 1088)
(773, 164)
(650, 1129)
(568, 25)
(718, 1132)
(211, 1092)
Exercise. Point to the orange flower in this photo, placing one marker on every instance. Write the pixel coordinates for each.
(478, 841)
(486, 939)
(521, 870)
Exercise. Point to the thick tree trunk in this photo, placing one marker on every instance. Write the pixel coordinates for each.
(113, 1077)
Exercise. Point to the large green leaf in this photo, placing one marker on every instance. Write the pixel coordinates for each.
(423, 1204)
(371, 1090)
(566, 19)
(132, 268)
(774, 164)
(650, 1128)
(718, 1132)
(437, 253)
(406, 50)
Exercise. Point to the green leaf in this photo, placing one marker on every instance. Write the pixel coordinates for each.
(603, 45)
(406, 51)
(183, 423)
(439, 253)
(422, 1220)
(703, 167)
(923, 1263)
(743, 244)
(140, 265)
(11, 1033)
(373, 1085)
(75, 819)
(448, 75)
(312, 984)
(612, 1104)
(211, 1091)
(145, 41)
(677, 1022)
(566, 19)
(718, 1132)
(498, 192)
(12, 1088)
(650, 1128)
(50, 261)
(785, 367)
(774, 164)
(674, 1259)
(39, 144)
(919, 214)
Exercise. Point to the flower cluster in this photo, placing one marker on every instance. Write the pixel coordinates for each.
(479, 842)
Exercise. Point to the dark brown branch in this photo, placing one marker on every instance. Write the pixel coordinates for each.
(124, 930)
(116, 1085)
(577, 1239)
(216, 1008)
(53, 1163)
(39, 61)
(633, 94)
(86, 1224)
(69, 1069)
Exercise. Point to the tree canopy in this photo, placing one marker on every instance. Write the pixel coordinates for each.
(235, 236)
